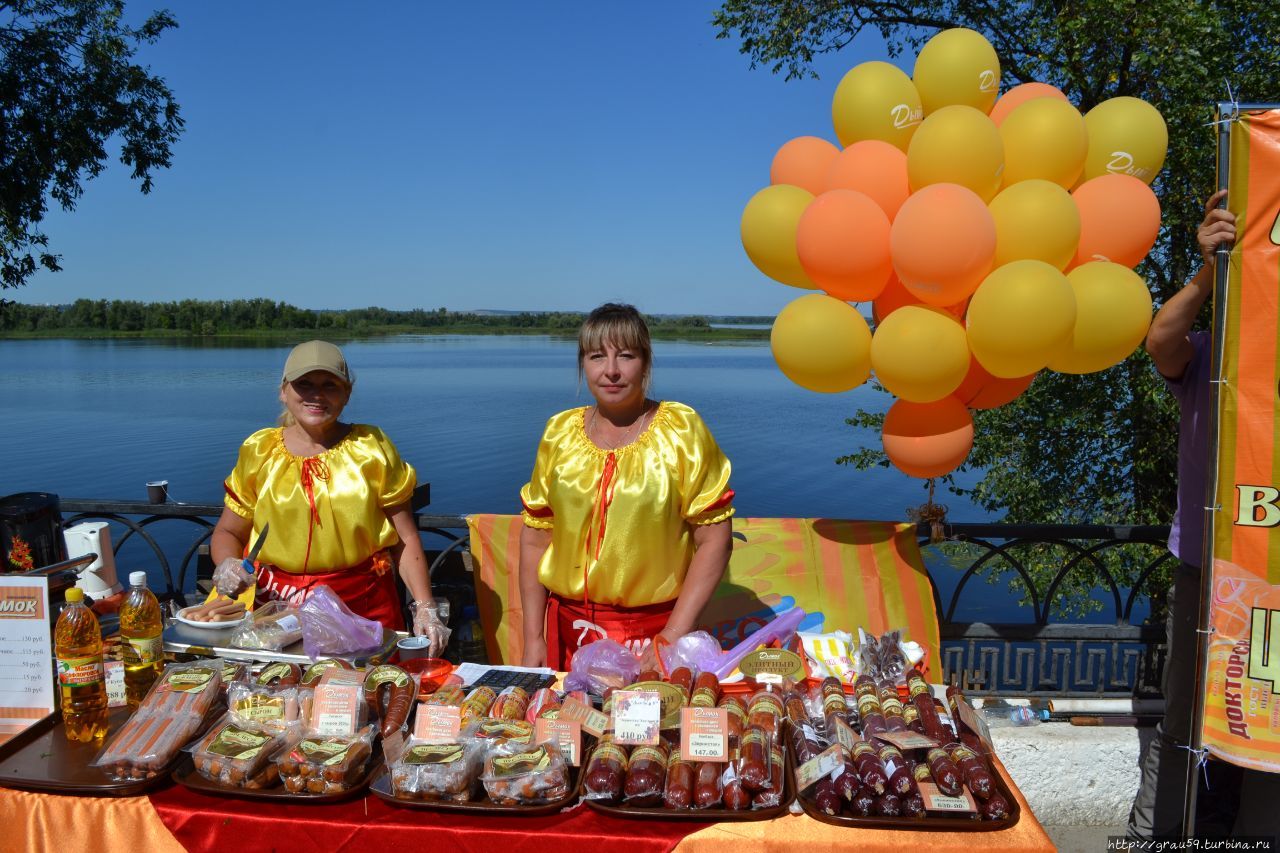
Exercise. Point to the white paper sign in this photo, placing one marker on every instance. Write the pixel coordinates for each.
(26, 654)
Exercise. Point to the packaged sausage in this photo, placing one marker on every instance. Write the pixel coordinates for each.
(510, 704)
(646, 775)
(770, 796)
(324, 764)
(270, 708)
(237, 754)
(274, 626)
(450, 694)
(389, 692)
(280, 672)
(477, 704)
(766, 711)
(489, 733)
(169, 716)
(526, 776)
(437, 773)
(312, 674)
(544, 703)
(605, 772)
(678, 793)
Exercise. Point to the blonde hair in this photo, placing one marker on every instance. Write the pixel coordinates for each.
(620, 325)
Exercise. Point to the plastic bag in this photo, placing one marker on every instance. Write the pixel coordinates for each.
(330, 628)
(698, 651)
(274, 626)
(600, 665)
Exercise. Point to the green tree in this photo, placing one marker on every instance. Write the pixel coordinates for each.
(68, 88)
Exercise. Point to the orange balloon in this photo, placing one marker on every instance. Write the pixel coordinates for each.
(927, 439)
(875, 168)
(842, 241)
(803, 162)
(1019, 95)
(981, 390)
(894, 296)
(942, 243)
(1119, 220)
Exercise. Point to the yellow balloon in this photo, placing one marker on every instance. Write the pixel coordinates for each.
(1035, 220)
(1020, 317)
(957, 145)
(769, 233)
(919, 353)
(957, 66)
(1044, 138)
(1113, 311)
(1126, 135)
(876, 100)
(822, 344)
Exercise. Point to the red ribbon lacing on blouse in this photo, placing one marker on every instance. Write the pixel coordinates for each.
(599, 518)
(313, 468)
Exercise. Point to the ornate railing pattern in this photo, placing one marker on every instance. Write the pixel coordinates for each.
(1036, 655)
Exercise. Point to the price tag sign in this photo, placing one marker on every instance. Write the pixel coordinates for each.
(335, 707)
(116, 696)
(637, 717)
(971, 719)
(437, 723)
(567, 734)
(593, 722)
(824, 763)
(936, 801)
(26, 650)
(908, 740)
(704, 734)
(844, 735)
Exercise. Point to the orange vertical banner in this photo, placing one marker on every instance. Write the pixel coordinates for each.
(1241, 711)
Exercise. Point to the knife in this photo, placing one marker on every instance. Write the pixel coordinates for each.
(257, 546)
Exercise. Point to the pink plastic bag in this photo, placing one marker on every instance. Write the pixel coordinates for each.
(329, 628)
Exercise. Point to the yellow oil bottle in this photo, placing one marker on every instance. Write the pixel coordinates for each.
(77, 646)
(140, 641)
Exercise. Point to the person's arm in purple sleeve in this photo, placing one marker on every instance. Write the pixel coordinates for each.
(1167, 338)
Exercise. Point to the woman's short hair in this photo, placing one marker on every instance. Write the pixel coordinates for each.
(617, 324)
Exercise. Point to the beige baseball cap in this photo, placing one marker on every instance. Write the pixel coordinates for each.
(317, 355)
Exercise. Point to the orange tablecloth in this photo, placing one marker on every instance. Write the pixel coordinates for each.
(92, 825)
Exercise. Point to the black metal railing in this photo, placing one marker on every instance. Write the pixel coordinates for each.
(1104, 647)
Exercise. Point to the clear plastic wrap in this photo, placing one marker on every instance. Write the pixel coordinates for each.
(605, 771)
(526, 776)
(510, 704)
(324, 764)
(168, 717)
(271, 708)
(646, 775)
(437, 772)
(274, 626)
(330, 628)
(699, 651)
(489, 733)
(600, 665)
(238, 755)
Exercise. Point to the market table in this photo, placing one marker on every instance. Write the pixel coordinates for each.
(176, 819)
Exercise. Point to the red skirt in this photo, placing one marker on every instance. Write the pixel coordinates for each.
(368, 589)
(573, 624)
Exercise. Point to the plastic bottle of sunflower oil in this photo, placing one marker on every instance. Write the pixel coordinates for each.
(82, 685)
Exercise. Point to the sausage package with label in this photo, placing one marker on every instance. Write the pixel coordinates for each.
(271, 708)
(238, 754)
(274, 626)
(437, 772)
(526, 776)
(324, 764)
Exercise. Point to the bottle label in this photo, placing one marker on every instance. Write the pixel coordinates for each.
(80, 672)
(142, 651)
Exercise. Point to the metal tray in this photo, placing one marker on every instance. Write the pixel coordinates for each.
(381, 788)
(186, 775)
(927, 823)
(42, 759)
(186, 640)
(712, 815)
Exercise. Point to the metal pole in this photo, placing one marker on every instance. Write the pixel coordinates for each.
(1222, 260)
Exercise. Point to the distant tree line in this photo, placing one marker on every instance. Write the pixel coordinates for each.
(204, 318)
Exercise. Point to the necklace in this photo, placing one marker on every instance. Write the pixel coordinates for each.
(627, 437)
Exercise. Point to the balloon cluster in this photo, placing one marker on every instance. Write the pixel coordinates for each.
(993, 237)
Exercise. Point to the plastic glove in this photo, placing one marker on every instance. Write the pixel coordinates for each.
(426, 623)
(230, 578)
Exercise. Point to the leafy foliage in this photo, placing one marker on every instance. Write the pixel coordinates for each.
(68, 86)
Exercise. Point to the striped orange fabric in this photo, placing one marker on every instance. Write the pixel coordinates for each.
(1242, 716)
(845, 574)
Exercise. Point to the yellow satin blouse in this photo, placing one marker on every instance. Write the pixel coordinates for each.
(326, 512)
(622, 521)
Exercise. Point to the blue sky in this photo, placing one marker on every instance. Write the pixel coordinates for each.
(542, 156)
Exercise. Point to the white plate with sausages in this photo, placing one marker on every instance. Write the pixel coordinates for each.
(181, 616)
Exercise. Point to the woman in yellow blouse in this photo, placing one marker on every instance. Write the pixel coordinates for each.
(337, 498)
(627, 511)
